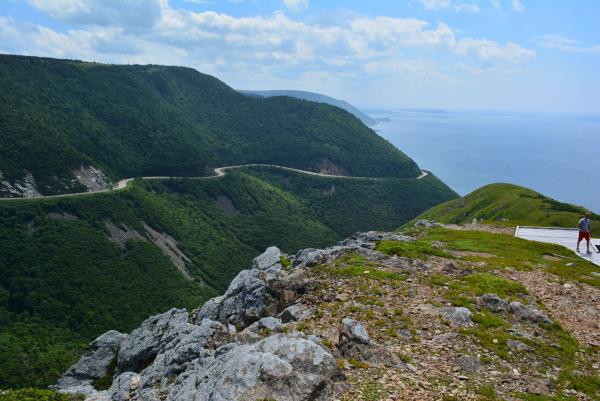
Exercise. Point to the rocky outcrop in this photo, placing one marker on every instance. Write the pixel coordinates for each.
(219, 352)
(456, 316)
(355, 343)
(25, 187)
(92, 178)
(524, 312)
(94, 365)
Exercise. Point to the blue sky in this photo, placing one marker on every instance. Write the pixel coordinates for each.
(529, 55)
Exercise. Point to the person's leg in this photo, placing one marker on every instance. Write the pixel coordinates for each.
(579, 241)
(588, 243)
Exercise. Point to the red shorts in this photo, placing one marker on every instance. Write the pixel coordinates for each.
(583, 235)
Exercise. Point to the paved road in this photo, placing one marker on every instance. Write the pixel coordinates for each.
(566, 237)
(219, 172)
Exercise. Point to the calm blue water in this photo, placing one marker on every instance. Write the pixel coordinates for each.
(555, 154)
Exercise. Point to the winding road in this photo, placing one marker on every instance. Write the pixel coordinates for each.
(219, 172)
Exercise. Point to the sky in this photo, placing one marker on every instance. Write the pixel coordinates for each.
(510, 55)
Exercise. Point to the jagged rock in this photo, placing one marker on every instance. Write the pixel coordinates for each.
(249, 295)
(468, 363)
(494, 303)
(270, 323)
(354, 331)
(269, 259)
(354, 342)
(291, 313)
(518, 345)
(124, 386)
(280, 367)
(94, 364)
(457, 316)
(427, 224)
(528, 312)
(312, 257)
(525, 312)
(540, 387)
(141, 346)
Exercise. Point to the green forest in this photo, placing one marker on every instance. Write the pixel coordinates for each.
(130, 121)
(63, 282)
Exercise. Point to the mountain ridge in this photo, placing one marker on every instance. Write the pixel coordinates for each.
(127, 121)
(315, 97)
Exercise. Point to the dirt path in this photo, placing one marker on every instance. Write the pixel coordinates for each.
(219, 172)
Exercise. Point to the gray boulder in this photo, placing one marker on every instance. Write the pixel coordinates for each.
(354, 331)
(291, 313)
(494, 303)
(269, 259)
(528, 312)
(141, 346)
(518, 346)
(524, 312)
(249, 295)
(427, 224)
(94, 364)
(354, 342)
(124, 386)
(280, 367)
(456, 316)
(270, 323)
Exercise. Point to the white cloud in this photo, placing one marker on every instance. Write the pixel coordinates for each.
(296, 5)
(566, 44)
(134, 13)
(457, 6)
(496, 4)
(263, 50)
(517, 6)
(490, 51)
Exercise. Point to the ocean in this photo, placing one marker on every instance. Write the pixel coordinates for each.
(555, 154)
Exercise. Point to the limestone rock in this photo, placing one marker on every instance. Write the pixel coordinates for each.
(142, 345)
(518, 345)
(249, 295)
(291, 313)
(269, 259)
(457, 316)
(494, 303)
(354, 331)
(280, 367)
(94, 364)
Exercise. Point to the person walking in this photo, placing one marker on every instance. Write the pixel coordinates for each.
(585, 229)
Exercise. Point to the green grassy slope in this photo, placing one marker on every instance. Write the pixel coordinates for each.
(56, 115)
(507, 204)
(63, 282)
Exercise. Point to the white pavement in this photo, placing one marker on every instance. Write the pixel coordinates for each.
(566, 237)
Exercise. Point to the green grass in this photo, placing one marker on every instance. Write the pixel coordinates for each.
(29, 394)
(507, 205)
(410, 249)
(507, 251)
(354, 265)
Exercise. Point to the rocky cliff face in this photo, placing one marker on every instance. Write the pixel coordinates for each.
(238, 346)
(352, 322)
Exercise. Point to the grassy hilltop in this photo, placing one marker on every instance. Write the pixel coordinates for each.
(508, 205)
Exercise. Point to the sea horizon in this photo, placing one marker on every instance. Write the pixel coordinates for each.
(550, 152)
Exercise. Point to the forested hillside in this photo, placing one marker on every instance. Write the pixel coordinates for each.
(72, 268)
(128, 121)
